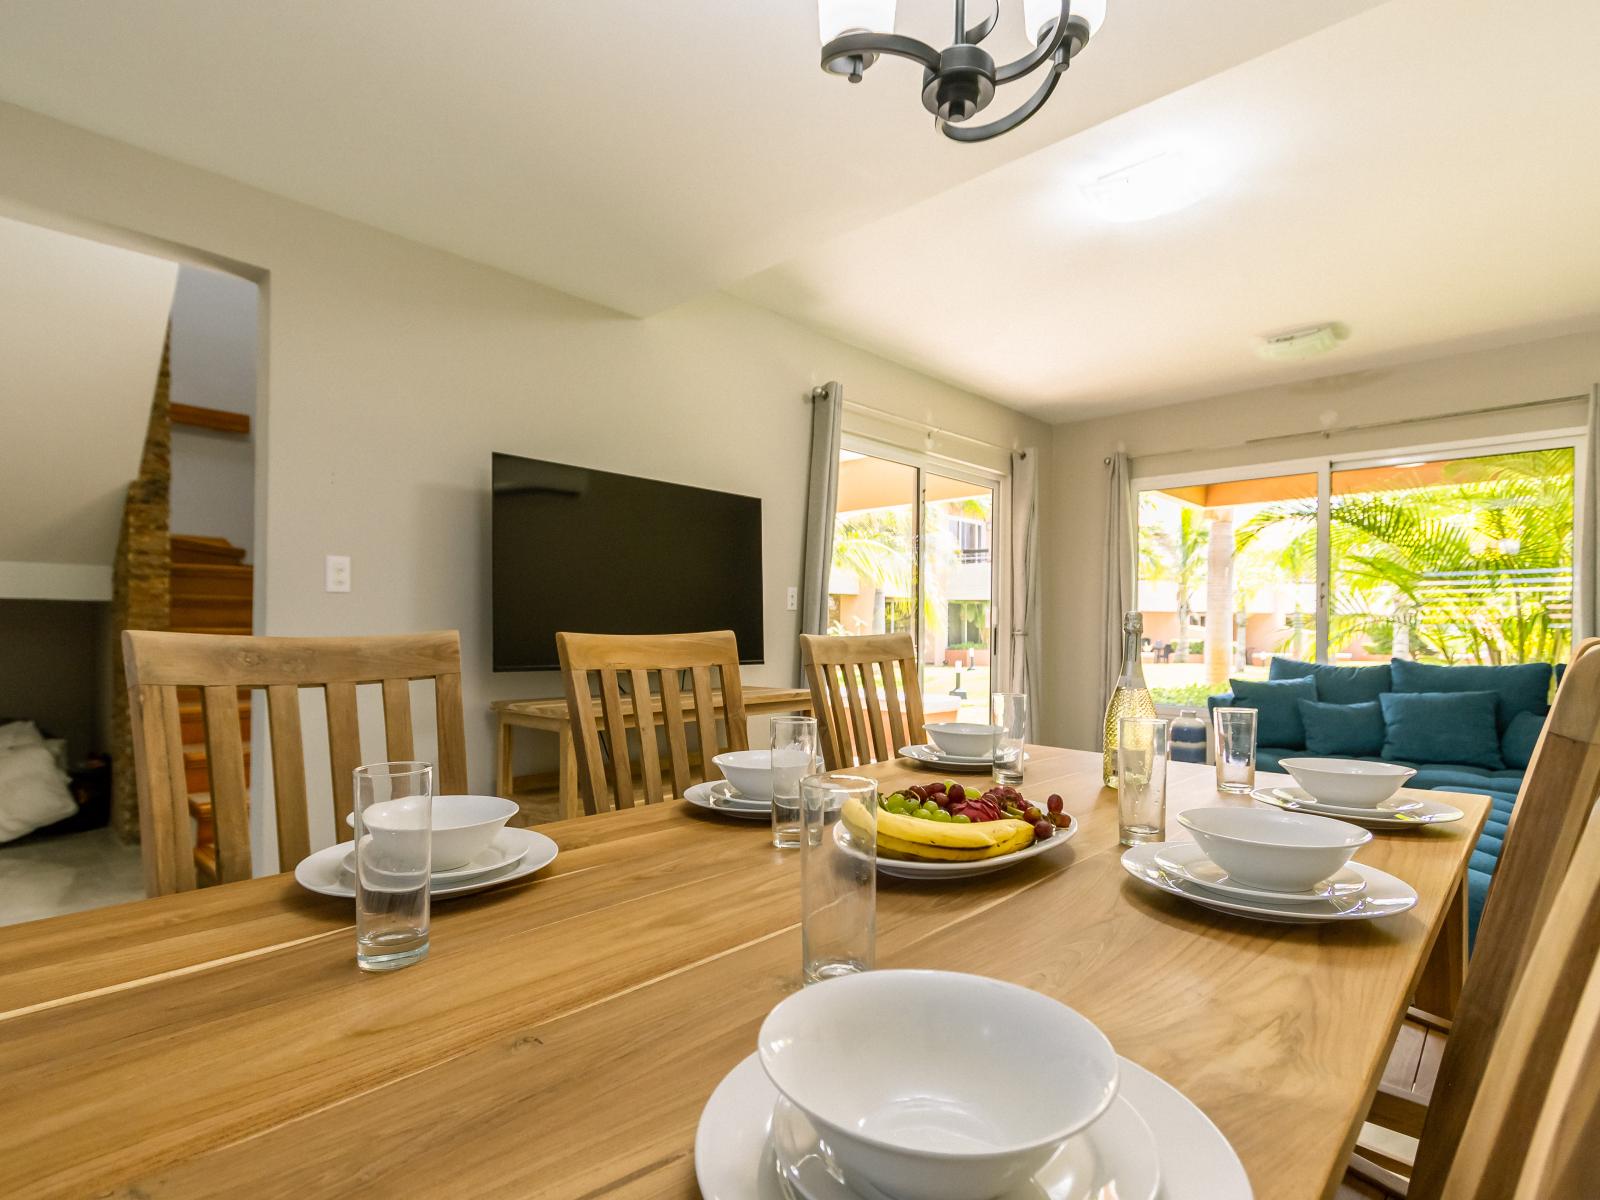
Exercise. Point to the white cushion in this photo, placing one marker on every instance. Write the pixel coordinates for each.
(19, 733)
(33, 791)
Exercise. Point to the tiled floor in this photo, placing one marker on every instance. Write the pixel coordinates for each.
(67, 874)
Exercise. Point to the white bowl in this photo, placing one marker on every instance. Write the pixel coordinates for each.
(937, 1085)
(463, 826)
(750, 771)
(1345, 781)
(963, 739)
(1277, 851)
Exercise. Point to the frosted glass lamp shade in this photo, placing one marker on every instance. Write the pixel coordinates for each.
(835, 17)
(1036, 14)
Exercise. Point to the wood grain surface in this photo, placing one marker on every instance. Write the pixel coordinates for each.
(565, 1032)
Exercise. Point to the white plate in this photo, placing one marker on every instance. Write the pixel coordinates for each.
(1395, 804)
(324, 872)
(734, 1156)
(1384, 895)
(1427, 812)
(724, 791)
(1186, 861)
(931, 756)
(905, 868)
(501, 853)
(706, 796)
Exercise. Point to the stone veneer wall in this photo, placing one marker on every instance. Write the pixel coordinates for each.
(141, 584)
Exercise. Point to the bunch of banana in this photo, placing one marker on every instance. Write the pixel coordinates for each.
(907, 837)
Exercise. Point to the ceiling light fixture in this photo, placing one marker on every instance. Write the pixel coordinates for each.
(960, 81)
(1152, 187)
(1302, 343)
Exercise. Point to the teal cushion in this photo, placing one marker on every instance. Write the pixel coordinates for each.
(1342, 728)
(1519, 739)
(1518, 688)
(1277, 709)
(1441, 727)
(1335, 685)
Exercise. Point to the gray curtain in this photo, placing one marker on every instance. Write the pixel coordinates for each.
(1120, 547)
(827, 421)
(1024, 658)
(1589, 526)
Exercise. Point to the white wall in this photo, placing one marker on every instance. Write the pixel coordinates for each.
(214, 330)
(392, 371)
(1210, 434)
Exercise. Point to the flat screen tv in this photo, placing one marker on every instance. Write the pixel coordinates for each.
(585, 551)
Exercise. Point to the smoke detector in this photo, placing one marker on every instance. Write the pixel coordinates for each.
(1307, 342)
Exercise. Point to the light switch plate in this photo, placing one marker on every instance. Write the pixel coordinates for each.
(794, 599)
(336, 573)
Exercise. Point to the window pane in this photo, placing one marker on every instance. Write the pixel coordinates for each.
(1227, 578)
(872, 587)
(958, 578)
(1464, 560)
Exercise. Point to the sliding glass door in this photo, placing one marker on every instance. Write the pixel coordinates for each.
(914, 550)
(1447, 558)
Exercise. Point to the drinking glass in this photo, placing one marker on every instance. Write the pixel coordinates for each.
(394, 857)
(794, 756)
(838, 875)
(1008, 713)
(1142, 779)
(1236, 749)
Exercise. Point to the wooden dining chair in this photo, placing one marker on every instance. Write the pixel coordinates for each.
(1557, 795)
(159, 664)
(857, 699)
(639, 677)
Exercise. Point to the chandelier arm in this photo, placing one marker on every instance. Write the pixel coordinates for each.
(982, 133)
(861, 44)
(983, 28)
(1043, 52)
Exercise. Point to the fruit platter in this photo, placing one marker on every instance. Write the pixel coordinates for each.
(952, 830)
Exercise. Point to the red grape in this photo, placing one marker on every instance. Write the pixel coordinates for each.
(1043, 829)
(1055, 803)
(957, 793)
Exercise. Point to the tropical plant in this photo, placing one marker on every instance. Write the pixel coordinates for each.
(1176, 554)
(1475, 568)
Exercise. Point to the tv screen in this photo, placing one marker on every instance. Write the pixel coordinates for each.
(582, 551)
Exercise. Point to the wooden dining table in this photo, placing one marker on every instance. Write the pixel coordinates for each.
(564, 1033)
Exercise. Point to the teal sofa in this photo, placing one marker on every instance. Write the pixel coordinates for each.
(1464, 729)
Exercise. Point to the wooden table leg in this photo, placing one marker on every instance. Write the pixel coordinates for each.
(567, 779)
(1439, 989)
(503, 786)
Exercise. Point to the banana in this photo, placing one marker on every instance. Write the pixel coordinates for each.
(912, 837)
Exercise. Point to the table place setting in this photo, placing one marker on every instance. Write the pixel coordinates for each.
(1033, 1104)
(1364, 793)
(972, 746)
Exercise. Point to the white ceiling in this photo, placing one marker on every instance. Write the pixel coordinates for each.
(1414, 168)
(80, 347)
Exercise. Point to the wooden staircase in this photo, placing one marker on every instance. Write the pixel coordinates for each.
(212, 591)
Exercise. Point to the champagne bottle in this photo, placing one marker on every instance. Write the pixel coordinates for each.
(1130, 697)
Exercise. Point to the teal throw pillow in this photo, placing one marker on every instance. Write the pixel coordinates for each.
(1335, 684)
(1441, 727)
(1518, 688)
(1276, 702)
(1348, 730)
(1521, 736)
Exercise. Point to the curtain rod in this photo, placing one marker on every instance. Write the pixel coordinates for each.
(920, 426)
(1369, 425)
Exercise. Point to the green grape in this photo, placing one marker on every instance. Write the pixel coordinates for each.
(941, 815)
(895, 804)
(961, 819)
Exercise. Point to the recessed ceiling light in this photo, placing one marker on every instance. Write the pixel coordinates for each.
(1152, 187)
(1302, 343)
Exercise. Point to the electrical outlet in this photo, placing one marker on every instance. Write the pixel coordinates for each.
(794, 599)
(336, 573)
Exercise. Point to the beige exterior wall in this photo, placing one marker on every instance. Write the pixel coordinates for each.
(1209, 435)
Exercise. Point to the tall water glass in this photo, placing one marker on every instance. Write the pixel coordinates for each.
(1236, 749)
(1142, 779)
(1008, 713)
(394, 857)
(794, 756)
(838, 875)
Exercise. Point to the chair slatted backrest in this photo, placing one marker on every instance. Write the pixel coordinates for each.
(651, 664)
(864, 714)
(158, 664)
(1552, 809)
(1536, 1103)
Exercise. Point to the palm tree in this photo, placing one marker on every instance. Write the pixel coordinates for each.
(1176, 555)
(876, 547)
